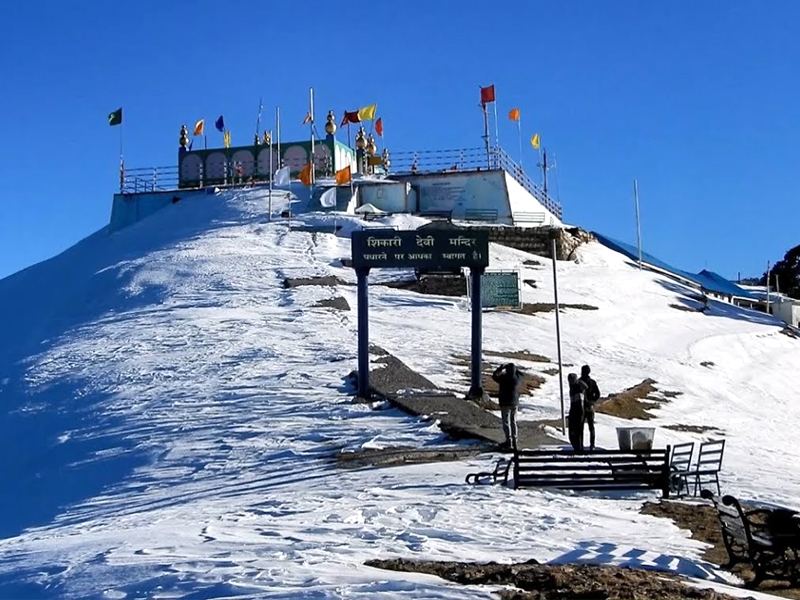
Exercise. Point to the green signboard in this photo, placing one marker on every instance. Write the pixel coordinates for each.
(500, 288)
(426, 248)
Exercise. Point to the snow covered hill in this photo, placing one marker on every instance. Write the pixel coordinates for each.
(169, 410)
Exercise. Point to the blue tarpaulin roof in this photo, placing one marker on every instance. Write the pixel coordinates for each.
(708, 280)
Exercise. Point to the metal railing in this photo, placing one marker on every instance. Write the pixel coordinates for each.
(471, 159)
(148, 179)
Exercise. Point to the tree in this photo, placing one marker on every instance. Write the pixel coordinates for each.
(785, 275)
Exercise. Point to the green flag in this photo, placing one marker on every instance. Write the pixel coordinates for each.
(115, 118)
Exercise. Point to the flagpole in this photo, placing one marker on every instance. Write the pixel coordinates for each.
(205, 142)
(311, 106)
(638, 222)
(519, 137)
(258, 119)
(121, 159)
(496, 130)
(271, 176)
(486, 134)
(278, 131)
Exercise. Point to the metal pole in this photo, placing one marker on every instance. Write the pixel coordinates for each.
(363, 333)
(638, 223)
(278, 131)
(271, 175)
(476, 389)
(311, 106)
(558, 332)
(544, 172)
(486, 135)
(768, 287)
(519, 137)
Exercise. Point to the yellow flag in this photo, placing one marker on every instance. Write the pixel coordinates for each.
(513, 114)
(226, 138)
(198, 127)
(344, 176)
(305, 175)
(368, 112)
(535, 141)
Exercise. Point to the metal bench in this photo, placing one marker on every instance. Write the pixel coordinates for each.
(599, 470)
(679, 465)
(709, 463)
(476, 214)
(768, 540)
(501, 470)
(528, 217)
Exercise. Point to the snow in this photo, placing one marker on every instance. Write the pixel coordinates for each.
(170, 414)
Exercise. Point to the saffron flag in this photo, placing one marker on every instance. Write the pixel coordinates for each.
(226, 138)
(367, 113)
(115, 118)
(535, 141)
(198, 127)
(350, 117)
(220, 124)
(379, 126)
(328, 199)
(344, 176)
(305, 175)
(307, 119)
(513, 114)
(487, 94)
(282, 176)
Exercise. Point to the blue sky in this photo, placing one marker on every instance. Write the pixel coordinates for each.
(697, 100)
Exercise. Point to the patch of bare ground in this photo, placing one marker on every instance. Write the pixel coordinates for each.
(518, 355)
(550, 372)
(701, 521)
(686, 308)
(336, 302)
(707, 363)
(558, 582)
(693, 428)
(530, 381)
(790, 332)
(532, 263)
(631, 403)
(530, 282)
(329, 280)
(542, 307)
(439, 285)
(391, 457)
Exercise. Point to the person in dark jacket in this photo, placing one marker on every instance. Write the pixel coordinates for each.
(577, 393)
(589, 400)
(509, 378)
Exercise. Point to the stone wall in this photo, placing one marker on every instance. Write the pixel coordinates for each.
(536, 240)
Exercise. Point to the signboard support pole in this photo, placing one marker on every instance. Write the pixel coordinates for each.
(476, 389)
(553, 235)
(363, 333)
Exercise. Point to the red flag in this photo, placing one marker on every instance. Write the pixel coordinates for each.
(487, 94)
(350, 117)
(379, 126)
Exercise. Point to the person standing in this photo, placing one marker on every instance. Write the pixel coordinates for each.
(577, 393)
(508, 378)
(591, 397)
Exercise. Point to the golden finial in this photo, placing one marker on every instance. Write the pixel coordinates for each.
(361, 140)
(256, 140)
(184, 141)
(267, 138)
(371, 147)
(330, 125)
(385, 159)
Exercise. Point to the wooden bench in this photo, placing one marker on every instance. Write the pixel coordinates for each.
(762, 538)
(599, 470)
(476, 214)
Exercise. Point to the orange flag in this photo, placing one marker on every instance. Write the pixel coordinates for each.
(513, 114)
(344, 176)
(305, 175)
(379, 126)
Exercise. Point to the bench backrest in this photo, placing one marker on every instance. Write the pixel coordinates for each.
(528, 217)
(730, 514)
(603, 469)
(480, 214)
(709, 459)
(682, 456)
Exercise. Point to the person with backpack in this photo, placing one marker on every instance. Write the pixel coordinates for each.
(508, 378)
(591, 397)
(577, 393)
